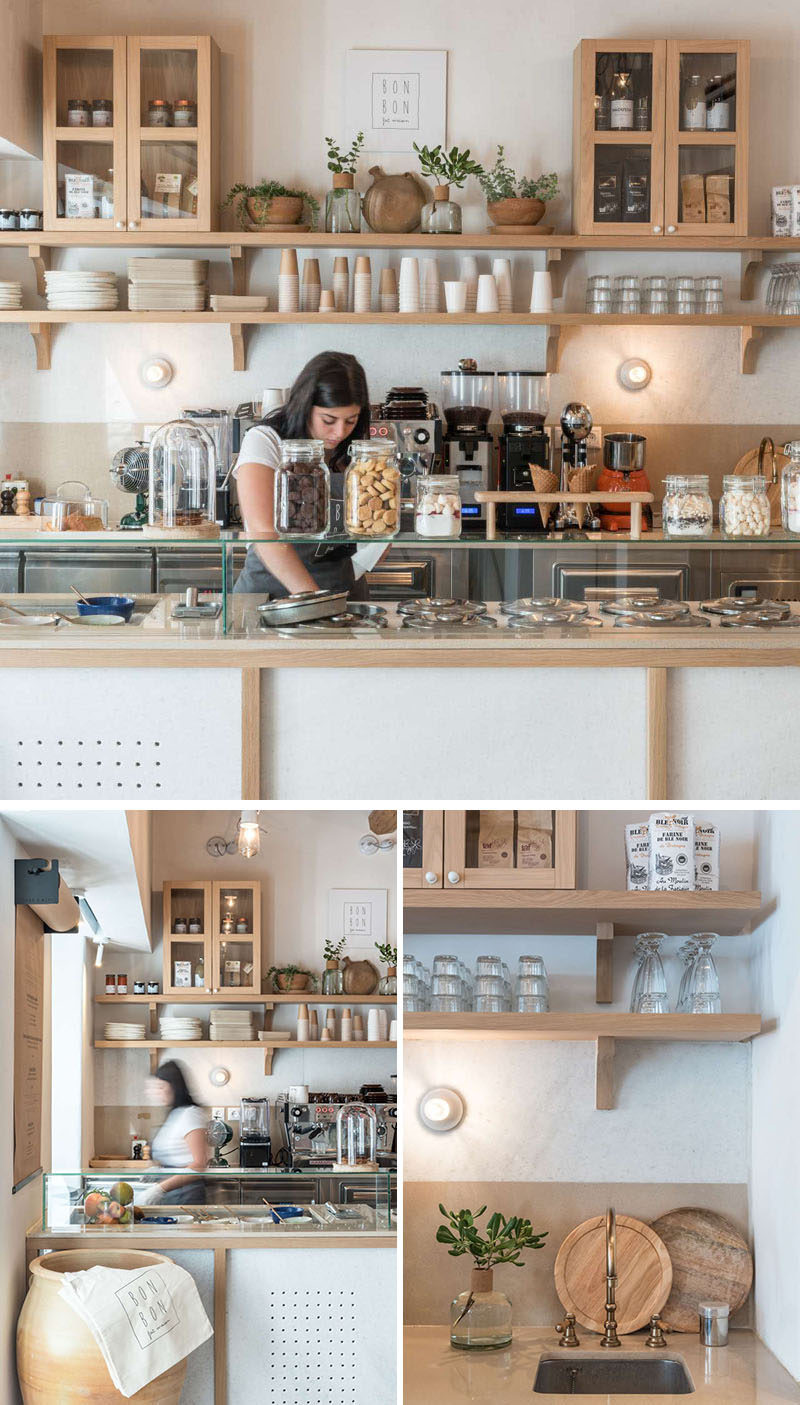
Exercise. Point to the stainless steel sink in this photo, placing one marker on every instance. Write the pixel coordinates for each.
(602, 1375)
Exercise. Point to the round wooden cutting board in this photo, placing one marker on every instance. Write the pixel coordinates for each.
(644, 1273)
(711, 1262)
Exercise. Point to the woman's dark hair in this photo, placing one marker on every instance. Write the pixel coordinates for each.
(330, 380)
(172, 1073)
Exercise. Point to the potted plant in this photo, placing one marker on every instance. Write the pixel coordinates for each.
(388, 953)
(480, 1318)
(513, 201)
(442, 215)
(270, 203)
(291, 977)
(332, 975)
(342, 203)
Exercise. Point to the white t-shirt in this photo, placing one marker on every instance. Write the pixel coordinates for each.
(170, 1147)
(260, 445)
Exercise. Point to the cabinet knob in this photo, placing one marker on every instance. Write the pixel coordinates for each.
(133, 224)
(656, 228)
(453, 877)
(671, 229)
(431, 877)
(120, 224)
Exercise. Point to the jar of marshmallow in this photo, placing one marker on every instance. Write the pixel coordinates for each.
(744, 509)
(790, 488)
(438, 507)
(687, 509)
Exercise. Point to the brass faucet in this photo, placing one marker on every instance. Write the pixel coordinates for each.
(569, 1336)
(610, 1337)
(657, 1326)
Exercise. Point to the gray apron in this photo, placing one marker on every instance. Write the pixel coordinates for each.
(331, 566)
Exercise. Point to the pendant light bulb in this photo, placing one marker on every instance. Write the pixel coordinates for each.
(248, 839)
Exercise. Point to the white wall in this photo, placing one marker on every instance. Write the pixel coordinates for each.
(775, 1212)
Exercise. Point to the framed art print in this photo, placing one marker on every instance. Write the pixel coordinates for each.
(397, 97)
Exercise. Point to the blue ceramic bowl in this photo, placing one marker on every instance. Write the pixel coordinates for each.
(108, 605)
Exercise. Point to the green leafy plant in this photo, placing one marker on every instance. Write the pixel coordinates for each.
(333, 950)
(502, 1242)
(341, 161)
(387, 952)
(288, 972)
(502, 183)
(451, 167)
(267, 191)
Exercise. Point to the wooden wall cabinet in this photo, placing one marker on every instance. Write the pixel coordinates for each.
(443, 851)
(139, 177)
(681, 166)
(236, 948)
(187, 955)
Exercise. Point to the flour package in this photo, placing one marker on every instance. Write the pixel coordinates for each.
(637, 857)
(782, 202)
(671, 852)
(706, 857)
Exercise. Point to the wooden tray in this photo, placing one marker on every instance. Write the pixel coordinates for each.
(711, 1262)
(644, 1273)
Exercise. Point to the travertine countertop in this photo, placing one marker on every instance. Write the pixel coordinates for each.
(743, 1373)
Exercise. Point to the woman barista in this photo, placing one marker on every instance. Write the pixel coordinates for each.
(328, 401)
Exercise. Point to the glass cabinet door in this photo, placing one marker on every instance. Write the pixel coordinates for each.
(187, 937)
(509, 849)
(620, 142)
(237, 937)
(706, 138)
(423, 839)
(170, 149)
(84, 133)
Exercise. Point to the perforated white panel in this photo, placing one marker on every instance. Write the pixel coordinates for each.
(130, 734)
(312, 1338)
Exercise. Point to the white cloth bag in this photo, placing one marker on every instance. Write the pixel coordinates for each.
(144, 1320)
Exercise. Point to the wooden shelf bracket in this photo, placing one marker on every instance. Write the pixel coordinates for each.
(553, 356)
(555, 268)
(604, 968)
(240, 258)
(604, 1074)
(40, 256)
(269, 1054)
(238, 345)
(749, 264)
(42, 338)
(749, 338)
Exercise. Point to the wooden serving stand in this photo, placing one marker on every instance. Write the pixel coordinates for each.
(636, 500)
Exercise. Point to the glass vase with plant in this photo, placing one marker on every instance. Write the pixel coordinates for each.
(388, 953)
(342, 202)
(514, 200)
(442, 215)
(480, 1317)
(270, 203)
(332, 975)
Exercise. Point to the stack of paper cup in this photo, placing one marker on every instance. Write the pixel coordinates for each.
(408, 291)
(327, 302)
(487, 294)
(383, 1024)
(310, 290)
(542, 293)
(347, 1025)
(313, 1025)
(388, 290)
(302, 1024)
(362, 285)
(341, 284)
(430, 285)
(373, 1026)
(358, 1028)
(469, 274)
(455, 296)
(501, 269)
(288, 282)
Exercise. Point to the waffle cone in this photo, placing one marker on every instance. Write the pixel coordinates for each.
(581, 481)
(544, 482)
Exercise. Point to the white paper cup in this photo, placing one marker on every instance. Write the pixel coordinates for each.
(542, 293)
(487, 294)
(272, 398)
(455, 296)
(501, 270)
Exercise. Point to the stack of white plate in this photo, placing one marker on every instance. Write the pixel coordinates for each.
(123, 1031)
(180, 1027)
(231, 1025)
(78, 290)
(10, 296)
(175, 285)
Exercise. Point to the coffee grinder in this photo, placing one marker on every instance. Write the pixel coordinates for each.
(467, 401)
(623, 471)
(524, 401)
(255, 1147)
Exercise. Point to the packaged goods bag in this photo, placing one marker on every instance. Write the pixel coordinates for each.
(637, 857)
(496, 839)
(671, 852)
(534, 839)
(706, 857)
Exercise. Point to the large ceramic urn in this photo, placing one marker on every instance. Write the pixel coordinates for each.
(58, 1359)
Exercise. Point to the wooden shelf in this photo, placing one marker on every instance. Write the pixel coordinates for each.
(82, 134)
(207, 997)
(605, 903)
(221, 239)
(268, 1047)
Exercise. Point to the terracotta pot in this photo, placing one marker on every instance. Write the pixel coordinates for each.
(281, 209)
(344, 180)
(516, 211)
(58, 1359)
(393, 204)
(298, 981)
(359, 977)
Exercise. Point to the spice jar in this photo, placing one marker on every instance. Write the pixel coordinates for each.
(102, 112)
(241, 925)
(9, 219)
(744, 509)
(30, 219)
(687, 509)
(180, 926)
(111, 985)
(159, 113)
(153, 988)
(790, 488)
(79, 113)
(138, 988)
(438, 508)
(195, 925)
(122, 984)
(302, 489)
(185, 113)
(372, 490)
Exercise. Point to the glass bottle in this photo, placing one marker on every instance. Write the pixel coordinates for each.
(790, 488)
(332, 978)
(388, 983)
(200, 972)
(719, 109)
(343, 205)
(480, 1319)
(744, 509)
(441, 215)
(622, 103)
(302, 489)
(372, 490)
(694, 105)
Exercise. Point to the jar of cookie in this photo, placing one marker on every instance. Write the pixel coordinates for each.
(372, 490)
(302, 489)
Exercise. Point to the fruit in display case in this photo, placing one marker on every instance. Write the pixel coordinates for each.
(109, 1207)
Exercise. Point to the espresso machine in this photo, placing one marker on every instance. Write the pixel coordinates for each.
(311, 1127)
(524, 399)
(413, 422)
(467, 403)
(255, 1146)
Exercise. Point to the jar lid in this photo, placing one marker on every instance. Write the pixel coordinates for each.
(101, 102)
(696, 481)
(750, 484)
(302, 448)
(714, 1309)
(184, 102)
(448, 482)
(372, 447)
(792, 448)
(77, 102)
(159, 102)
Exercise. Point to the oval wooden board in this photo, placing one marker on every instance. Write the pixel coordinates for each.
(644, 1273)
(711, 1262)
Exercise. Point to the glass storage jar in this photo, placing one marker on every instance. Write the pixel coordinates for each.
(790, 488)
(79, 113)
(372, 490)
(102, 112)
(302, 489)
(182, 481)
(744, 509)
(480, 1318)
(184, 113)
(343, 205)
(74, 509)
(356, 1138)
(159, 113)
(687, 509)
(438, 507)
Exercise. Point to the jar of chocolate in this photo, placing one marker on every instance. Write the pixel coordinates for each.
(159, 113)
(372, 489)
(302, 489)
(79, 113)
